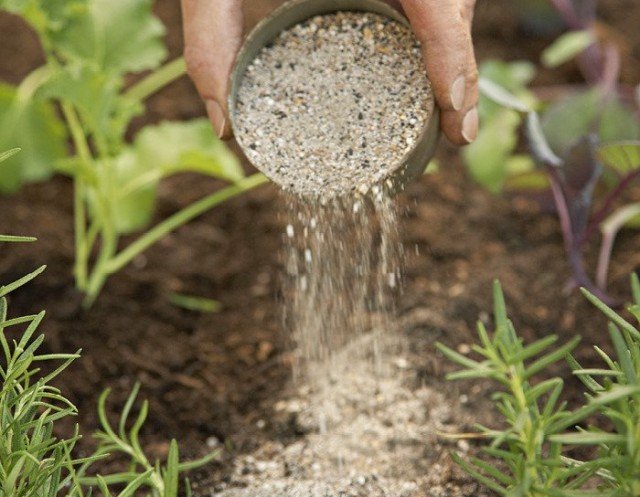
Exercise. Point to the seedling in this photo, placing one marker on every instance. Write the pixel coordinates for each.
(160, 479)
(528, 454)
(586, 146)
(91, 48)
(34, 460)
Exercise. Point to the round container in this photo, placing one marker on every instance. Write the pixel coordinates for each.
(294, 12)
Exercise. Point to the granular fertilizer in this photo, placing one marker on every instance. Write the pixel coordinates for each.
(334, 104)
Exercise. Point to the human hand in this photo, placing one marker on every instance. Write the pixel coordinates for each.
(213, 36)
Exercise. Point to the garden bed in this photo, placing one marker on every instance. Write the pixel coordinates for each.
(224, 378)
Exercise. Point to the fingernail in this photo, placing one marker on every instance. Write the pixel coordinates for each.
(458, 91)
(217, 117)
(470, 125)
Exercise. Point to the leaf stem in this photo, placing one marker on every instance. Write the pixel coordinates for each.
(32, 83)
(157, 80)
(182, 217)
(80, 218)
(608, 204)
(108, 248)
(610, 228)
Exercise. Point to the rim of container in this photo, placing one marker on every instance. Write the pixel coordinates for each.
(251, 48)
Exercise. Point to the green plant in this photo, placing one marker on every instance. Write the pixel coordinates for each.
(92, 48)
(493, 159)
(160, 480)
(34, 461)
(528, 455)
(584, 145)
(601, 106)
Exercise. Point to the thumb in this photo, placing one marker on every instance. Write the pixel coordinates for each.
(444, 29)
(213, 35)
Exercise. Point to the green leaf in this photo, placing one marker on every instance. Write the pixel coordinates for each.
(171, 476)
(33, 126)
(542, 388)
(502, 96)
(540, 147)
(615, 394)
(184, 467)
(597, 372)
(611, 314)
(195, 303)
(458, 358)
(159, 151)
(567, 47)
(635, 310)
(124, 415)
(10, 239)
(118, 36)
(132, 209)
(588, 438)
(568, 119)
(520, 164)
(173, 147)
(513, 77)
(499, 307)
(486, 157)
(45, 16)
(624, 355)
(529, 181)
(635, 287)
(9, 153)
(130, 489)
(534, 349)
(624, 157)
(504, 89)
(582, 113)
(96, 96)
(102, 485)
(618, 121)
(4, 290)
(552, 357)
(475, 472)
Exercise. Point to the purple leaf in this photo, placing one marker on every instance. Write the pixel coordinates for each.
(580, 174)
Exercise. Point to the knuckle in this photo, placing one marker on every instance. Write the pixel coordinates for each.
(473, 77)
(466, 10)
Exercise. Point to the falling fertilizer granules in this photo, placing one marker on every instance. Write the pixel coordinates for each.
(334, 104)
(328, 111)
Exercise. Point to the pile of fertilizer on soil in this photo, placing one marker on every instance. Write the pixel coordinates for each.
(334, 103)
(384, 441)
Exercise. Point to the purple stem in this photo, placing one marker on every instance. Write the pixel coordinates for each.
(607, 206)
(562, 208)
(566, 10)
(593, 61)
(610, 69)
(573, 245)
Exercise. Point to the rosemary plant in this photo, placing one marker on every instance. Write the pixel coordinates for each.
(158, 479)
(92, 48)
(34, 460)
(527, 455)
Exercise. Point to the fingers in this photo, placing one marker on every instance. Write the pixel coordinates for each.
(395, 4)
(444, 29)
(213, 35)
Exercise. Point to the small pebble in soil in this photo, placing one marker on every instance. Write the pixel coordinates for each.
(334, 103)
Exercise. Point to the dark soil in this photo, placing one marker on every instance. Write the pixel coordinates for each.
(214, 376)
